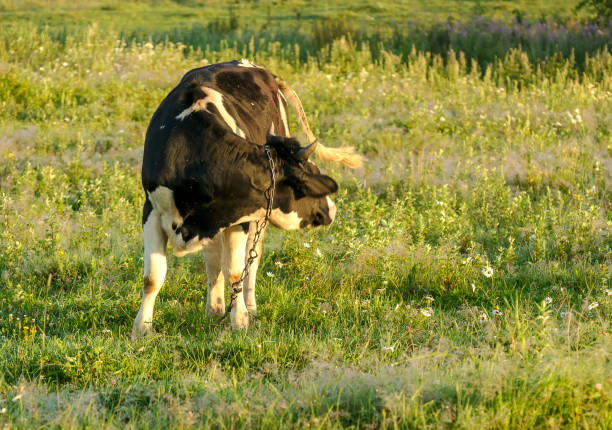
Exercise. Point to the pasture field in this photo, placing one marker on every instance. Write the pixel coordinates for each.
(466, 282)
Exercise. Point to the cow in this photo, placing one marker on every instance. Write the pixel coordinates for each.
(205, 171)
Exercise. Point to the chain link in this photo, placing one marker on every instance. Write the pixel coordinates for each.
(259, 228)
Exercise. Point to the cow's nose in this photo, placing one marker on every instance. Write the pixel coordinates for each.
(332, 209)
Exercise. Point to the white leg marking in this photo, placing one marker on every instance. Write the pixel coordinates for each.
(215, 301)
(234, 245)
(216, 98)
(282, 106)
(155, 241)
(252, 274)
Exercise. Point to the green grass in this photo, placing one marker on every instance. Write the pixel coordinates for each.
(394, 325)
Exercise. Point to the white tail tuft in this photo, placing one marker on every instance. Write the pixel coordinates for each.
(344, 155)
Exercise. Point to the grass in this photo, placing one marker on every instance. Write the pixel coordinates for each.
(385, 318)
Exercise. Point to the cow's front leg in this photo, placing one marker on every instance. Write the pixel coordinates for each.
(234, 244)
(215, 301)
(252, 273)
(155, 241)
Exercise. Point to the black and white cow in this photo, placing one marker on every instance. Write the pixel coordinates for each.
(205, 171)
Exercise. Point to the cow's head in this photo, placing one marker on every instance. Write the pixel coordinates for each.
(301, 196)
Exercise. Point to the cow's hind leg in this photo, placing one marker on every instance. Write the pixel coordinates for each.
(155, 241)
(215, 301)
(252, 274)
(234, 244)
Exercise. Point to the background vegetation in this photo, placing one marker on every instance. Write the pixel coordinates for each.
(465, 283)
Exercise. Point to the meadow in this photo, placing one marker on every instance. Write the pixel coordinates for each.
(466, 282)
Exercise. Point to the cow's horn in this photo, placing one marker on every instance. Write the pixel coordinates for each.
(307, 151)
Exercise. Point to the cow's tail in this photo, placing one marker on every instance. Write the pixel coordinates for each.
(345, 155)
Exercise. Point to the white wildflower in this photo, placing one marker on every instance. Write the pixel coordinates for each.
(385, 282)
(548, 300)
(483, 317)
(429, 298)
(427, 312)
(306, 245)
(388, 348)
(497, 312)
(533, 236)
(487, 271)
(270, 275)
(106, 330)
(593, 306)
(278, 264)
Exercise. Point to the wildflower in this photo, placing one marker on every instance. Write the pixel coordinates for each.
(427, 312)
(64, 64)
(388, 348)
(278, 264)
(318, 252)
(336, 338)
(59, 252)
(306, 245)
(598, 386)
(429, 298)
(533, 236)
(467, 260)
(10, 155)
(106, 330)
(497, 312)
(593, 306)
(3, 411)
(483, 317)
(487, 271)
(270, 275)
(385, 282)
(548, 300)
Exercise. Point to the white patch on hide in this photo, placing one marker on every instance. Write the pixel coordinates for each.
(290, 221)
(246, 63)
(216, 98)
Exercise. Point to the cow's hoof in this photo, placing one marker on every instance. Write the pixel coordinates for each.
(215, 310)
(141, 331)
(240, 319)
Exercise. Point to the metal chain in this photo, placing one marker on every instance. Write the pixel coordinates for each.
(260, 227)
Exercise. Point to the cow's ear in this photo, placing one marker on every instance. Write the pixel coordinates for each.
(316, 185)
